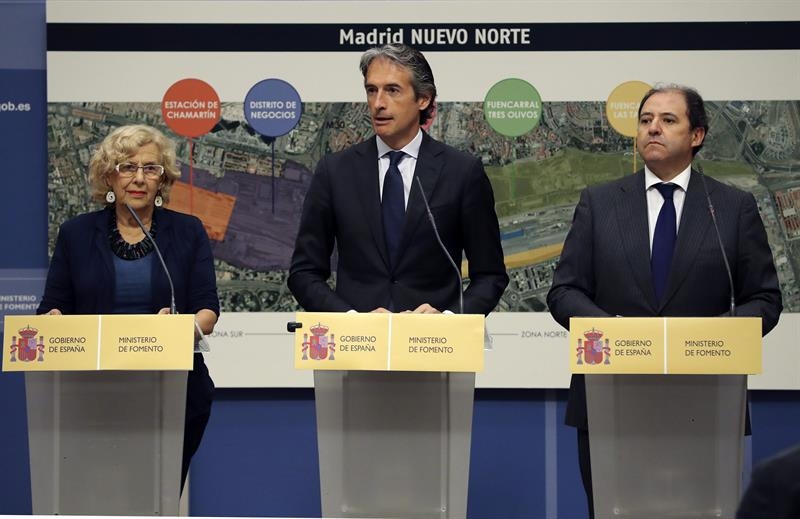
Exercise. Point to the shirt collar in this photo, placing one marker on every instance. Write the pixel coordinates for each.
(411, 149)
(682, 180)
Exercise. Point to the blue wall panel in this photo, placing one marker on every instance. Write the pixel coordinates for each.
(259, 456)
(15, 484)
(507, 470)
(776, 422)
(23, 216)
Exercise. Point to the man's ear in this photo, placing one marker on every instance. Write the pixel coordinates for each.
(423, 102)
(698, 136)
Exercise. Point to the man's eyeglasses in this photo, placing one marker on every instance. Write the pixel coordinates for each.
(129, 169)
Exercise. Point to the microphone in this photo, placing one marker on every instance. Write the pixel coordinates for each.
(444, 249)
(172, 308)
(291, 326)
(719, 240)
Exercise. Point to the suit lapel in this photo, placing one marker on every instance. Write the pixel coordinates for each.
(694, 224)
(429, 167)
(635, 234)
(101, 244)
(163, 229)
(158, 279)
(367, 186)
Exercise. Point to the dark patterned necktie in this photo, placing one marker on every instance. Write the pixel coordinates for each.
(663, 240)
(393, 204)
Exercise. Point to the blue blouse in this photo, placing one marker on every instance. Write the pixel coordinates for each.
(132, 288)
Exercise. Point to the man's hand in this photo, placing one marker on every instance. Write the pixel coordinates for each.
(424, 308)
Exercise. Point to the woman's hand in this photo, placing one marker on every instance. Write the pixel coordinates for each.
(206, 319)
(54, 311)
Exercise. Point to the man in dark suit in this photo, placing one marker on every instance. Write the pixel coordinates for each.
(607, 269)
(774, 490)
(367, 201)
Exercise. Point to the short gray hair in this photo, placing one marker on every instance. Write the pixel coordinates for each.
(119, 146)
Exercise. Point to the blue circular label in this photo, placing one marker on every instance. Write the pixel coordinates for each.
(272, 107)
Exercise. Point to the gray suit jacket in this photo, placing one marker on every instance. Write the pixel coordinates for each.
(604, 268)
(343, 209)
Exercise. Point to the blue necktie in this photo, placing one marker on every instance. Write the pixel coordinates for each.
(393, 204)
(663, 240)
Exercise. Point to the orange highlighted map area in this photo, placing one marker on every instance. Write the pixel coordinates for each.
(214, 209)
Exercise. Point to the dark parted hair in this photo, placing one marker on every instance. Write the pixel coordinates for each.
(695, 108)
(413, 60)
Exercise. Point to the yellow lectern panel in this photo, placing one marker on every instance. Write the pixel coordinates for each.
(143, 342)
(675, 345)
(340, 341)
(425, 342)
(98, 342)
(50, 343)
(389, 342)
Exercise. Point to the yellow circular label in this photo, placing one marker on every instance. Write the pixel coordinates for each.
(622, 107)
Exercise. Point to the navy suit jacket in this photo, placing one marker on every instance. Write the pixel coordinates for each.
(343, 209)
(604, 268)
(81, 278)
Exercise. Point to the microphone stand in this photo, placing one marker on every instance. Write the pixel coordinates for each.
(719, 239)
(172, 307)
(444, 249)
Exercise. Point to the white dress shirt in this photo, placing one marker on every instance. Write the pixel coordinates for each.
(655, 200)
(406, 166)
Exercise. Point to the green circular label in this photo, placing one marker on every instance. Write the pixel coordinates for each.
(512, 107)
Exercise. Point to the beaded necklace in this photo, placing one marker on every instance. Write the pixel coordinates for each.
(123, 249)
